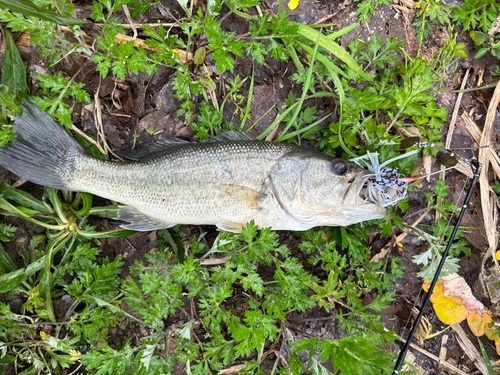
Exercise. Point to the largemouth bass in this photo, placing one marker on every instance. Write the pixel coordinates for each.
(227, 181)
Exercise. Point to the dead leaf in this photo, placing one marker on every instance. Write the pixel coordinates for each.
(477, 322)
(491, 332)
(454, 302)
(456, 286)
(120, 38)
(449, 309)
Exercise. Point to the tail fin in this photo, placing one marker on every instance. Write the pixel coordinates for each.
(42, 151)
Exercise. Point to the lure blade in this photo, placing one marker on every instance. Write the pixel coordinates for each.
(448, 159)
(408, 143)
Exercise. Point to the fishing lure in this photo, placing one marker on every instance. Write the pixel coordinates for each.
(386, 186)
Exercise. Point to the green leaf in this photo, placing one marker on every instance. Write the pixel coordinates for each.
(255, 282)
(87, 205)
(7, 231)
(357, 355)
(441, 190)
(27, 8)
(6, 261)
(147, 355)
(481, 52)
(12, 279)
(317, 368)
(23, 198)
(186, 330)
(140, 7)
(13, 70)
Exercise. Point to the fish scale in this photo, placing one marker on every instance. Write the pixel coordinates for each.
(158, 185)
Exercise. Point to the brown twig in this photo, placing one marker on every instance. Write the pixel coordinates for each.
(96, 144)
(129, 19)
(475, 132)
(469, 349)
(435, 358)
(449, 136)
(279, 355)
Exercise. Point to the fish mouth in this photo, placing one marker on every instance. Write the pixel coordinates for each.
(384, 189)
(358, 192)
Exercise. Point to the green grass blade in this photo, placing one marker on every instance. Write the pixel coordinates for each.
(87, 205)
(344, 31)
(487, 362)
(249, 100)
(334, 70)
(6, 261)
(15, 211)
(333, 48)
(12, 279)
(29, 9)
(280, 118)
(307, 86)
(23, 198)
(46, 279)
(300, 131)
(112, 233)
(295, 58)
(261, 117)
(110, 212)
(56, 204)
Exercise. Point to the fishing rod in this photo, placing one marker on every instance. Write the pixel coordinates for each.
(476, 170)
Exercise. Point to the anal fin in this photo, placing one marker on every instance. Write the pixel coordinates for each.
(139, 221)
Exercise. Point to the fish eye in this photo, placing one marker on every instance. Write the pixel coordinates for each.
(340, 168)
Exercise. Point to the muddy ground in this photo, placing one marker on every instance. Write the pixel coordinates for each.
(147, 103)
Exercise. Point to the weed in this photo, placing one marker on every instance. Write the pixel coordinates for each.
(407, 105)
(475, 13)
(367, 8)
(430, 259)
(474, 16)
(269, 304)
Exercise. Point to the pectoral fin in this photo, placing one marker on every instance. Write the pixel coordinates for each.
(245, 196)
(139, 221)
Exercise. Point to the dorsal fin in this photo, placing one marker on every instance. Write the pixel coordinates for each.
(231, 135)
(150, 146)
(154, 145)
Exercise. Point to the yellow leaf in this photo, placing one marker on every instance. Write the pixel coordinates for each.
(449, 310)
(478, 322)
(293, 4)
(498, 255)
(497, 345)
(491, 332)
